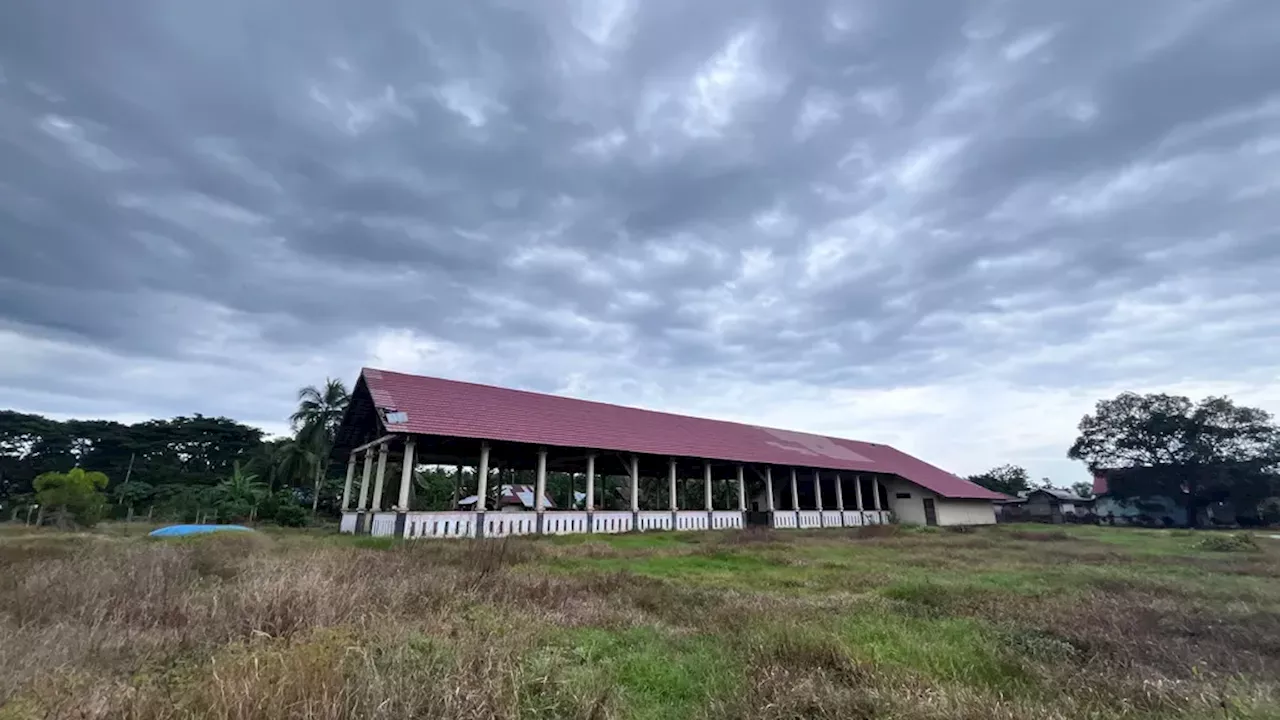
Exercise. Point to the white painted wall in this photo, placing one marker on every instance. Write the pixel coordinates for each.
(910, 511)
(966, 512)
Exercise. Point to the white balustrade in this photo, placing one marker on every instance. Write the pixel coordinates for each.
(653, 520)
(500, 524)
(725, 520)
(384, 524)
(564, 523)
(507, 524)
(611, 522)
(440, 525)
(691, 520)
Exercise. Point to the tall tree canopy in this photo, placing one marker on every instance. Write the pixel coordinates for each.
(1168, 445)
(1007, 479)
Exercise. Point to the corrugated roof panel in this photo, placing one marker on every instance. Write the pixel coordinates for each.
(451, 408)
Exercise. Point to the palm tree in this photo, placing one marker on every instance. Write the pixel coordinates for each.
(242, 489)
(316, 423)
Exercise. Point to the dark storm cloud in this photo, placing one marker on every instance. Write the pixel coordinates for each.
(592, 178)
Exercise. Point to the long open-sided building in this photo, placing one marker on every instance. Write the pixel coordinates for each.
(783, 479)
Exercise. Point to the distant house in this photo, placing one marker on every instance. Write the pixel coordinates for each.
(511, 498)
(1152, 510)
(1053, 505)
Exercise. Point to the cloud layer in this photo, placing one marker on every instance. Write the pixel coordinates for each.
(947, 225)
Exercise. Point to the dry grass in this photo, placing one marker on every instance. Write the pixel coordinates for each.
(872, 623)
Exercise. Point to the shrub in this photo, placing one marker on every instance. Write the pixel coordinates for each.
(1237, 542)
(290, 514)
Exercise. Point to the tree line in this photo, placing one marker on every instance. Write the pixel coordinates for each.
(1197, 453)
(185, 468)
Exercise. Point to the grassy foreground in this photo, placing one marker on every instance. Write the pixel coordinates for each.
(1009, 622)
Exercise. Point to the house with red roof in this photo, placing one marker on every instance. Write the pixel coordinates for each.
(676, 472)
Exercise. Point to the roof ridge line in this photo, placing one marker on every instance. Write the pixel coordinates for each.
(625, 407)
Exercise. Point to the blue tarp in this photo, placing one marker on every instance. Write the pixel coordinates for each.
(184, 530)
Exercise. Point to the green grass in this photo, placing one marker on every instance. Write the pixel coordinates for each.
(1009, 622)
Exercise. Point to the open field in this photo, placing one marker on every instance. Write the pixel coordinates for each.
(1021, 622)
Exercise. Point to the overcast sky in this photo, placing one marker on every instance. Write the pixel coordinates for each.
(950, 226)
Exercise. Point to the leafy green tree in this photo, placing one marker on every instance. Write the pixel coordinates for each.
(74, 495)
(1083, 489)
(1167, 445)
(132, 494)
(316, 423)
(1007, 479)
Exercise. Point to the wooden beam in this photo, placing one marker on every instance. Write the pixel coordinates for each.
(374, 443)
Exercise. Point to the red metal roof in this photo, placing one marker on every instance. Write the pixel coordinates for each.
(435, 406)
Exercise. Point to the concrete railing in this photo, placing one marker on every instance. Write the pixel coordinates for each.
(563, 523)
(348, 523)
(692, 520)
(384, 524)
(726, 520)
(440, 525)
(610, 522)
(500, 524)
(653, 520)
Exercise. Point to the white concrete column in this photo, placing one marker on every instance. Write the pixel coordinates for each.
(591, 482)
(346, 487)
(795, 491)
(768, 486)
(875, 494)
(482, 478)
(671, 483)
(742, 492)
(406, 475)
(635, 484)
(839, 494)
(457, 487)
(540, 487)
(365, 477)
(857, 491)
(706, 484)
(817, 489)
(382, 473)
